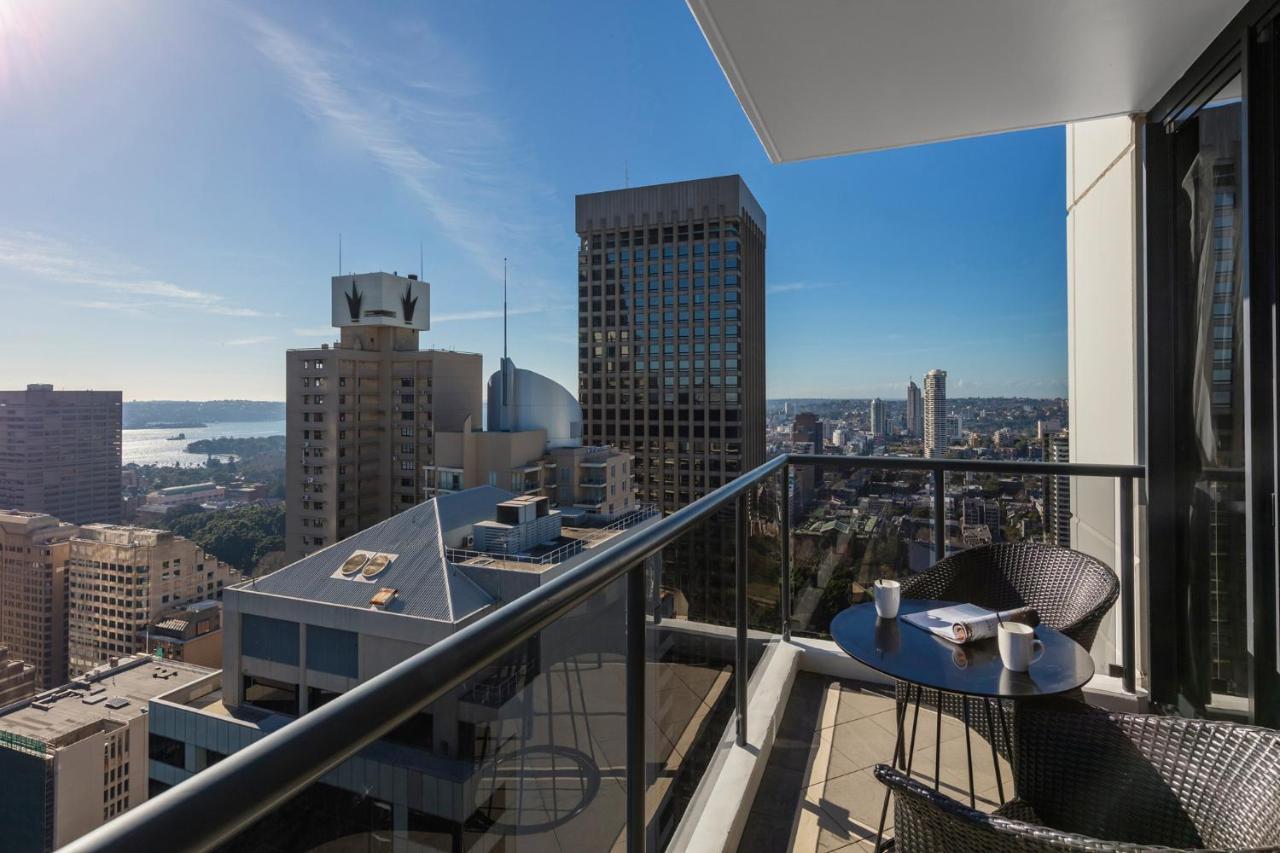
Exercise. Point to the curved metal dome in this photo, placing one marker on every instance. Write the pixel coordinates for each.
(532, 401)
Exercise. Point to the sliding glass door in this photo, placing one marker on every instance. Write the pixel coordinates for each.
(1212, 444)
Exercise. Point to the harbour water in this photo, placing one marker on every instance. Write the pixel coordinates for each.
(153, 447)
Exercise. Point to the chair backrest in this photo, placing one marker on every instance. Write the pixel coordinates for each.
(1144, 778)
(1070, 591)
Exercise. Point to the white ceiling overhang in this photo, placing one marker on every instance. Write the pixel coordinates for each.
(819, 78)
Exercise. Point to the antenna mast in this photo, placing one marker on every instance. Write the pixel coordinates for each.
(339, 253)
(421, 275)
(504, 308)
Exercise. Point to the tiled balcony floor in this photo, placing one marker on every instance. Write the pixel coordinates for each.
(818, 792)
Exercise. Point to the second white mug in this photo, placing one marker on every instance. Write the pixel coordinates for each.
(887, 594)
(1018, 646)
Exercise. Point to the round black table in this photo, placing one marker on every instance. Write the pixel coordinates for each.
(921, 660)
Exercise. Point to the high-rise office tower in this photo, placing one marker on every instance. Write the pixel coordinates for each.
(1057, 491)
(361, 416)
(806, 429)
(671, 332)
(879, 417)
(33, 592)
(60, 453)
(915, 410)
(121, 578)
(935, 413)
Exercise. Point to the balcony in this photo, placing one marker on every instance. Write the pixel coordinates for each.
(728, 710)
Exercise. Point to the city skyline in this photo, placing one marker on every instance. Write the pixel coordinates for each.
(302, 136)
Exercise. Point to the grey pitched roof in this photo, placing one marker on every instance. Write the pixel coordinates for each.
(427, 586)
(469, 506)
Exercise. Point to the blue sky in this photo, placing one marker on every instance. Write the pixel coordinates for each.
(174, 177)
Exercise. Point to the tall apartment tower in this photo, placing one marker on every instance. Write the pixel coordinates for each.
(671, 332)
(361, 416)
(915, 410)
(34, 549)
(879, 417)
(1057, 491)
(60, 453)
(936, 436)
(120, 578)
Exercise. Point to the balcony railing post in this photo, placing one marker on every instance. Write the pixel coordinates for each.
(635, 713)
(784, 500)
(1129, 607)
(740, 615)
(939, 512)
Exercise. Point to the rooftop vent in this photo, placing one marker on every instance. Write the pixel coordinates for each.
(364, 566)
(376, 564)
(354, 563)
(383, 597)
(115, 703)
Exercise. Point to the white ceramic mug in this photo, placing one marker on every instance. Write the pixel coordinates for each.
(887, 594)
(1018, 646)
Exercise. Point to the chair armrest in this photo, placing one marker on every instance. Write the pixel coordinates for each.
(925, 820)
(1184, 782)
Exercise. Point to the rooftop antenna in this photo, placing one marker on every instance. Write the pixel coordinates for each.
(626, 173)
(420, 273)
(339, 253)
(504, 308)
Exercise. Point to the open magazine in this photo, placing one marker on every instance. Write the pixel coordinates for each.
(965, 623)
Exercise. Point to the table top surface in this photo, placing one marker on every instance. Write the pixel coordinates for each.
(907, 653)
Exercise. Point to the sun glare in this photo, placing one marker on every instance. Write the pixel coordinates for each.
(21, 26)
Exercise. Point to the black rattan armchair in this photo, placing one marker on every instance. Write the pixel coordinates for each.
(1070, 591)
(1098, 781)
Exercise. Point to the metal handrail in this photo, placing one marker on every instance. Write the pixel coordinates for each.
(212, 806)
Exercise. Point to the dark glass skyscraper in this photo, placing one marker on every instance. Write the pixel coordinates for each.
(671, 332)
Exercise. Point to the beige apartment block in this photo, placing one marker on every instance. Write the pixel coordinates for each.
(362, 414)
(79, 755)
(34, 549)
(121, 578)
(60, 453)
(594, 480)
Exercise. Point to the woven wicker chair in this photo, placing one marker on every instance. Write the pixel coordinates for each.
(1098, 781)
(1070, 591)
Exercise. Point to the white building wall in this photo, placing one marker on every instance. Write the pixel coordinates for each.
(1104, 333)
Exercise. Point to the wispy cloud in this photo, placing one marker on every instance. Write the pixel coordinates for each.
(487, 314)
(792, 287)
(248, 342)
(423, 133)
(316, 332)
(119, 286)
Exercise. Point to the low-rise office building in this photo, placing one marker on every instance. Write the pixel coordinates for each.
(76, 756)
(302, 636)
(192, 633)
